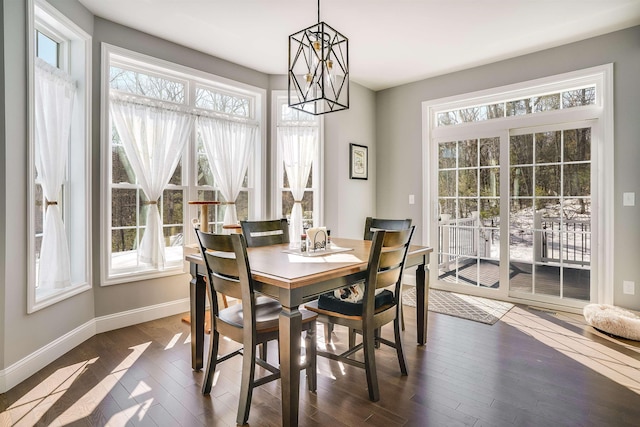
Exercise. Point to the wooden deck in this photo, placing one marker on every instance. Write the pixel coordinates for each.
(575, 281)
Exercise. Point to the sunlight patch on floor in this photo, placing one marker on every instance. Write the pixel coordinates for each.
(614, 364)
(89, 401)
(173, 341)
(40, 399)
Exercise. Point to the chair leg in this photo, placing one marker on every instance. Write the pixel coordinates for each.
(211, 362)
(399, 349)
(352, 338)
(328, 330)
(368, 341)
(311, 356)
(246, 383)
(263, 351)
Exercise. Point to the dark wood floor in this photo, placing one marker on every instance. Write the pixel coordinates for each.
(532, 368)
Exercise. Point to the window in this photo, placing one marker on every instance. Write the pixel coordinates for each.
(59, 193)
(48, 49)
(148, 217)
(569, 98)
(521, 179)
(300, 127)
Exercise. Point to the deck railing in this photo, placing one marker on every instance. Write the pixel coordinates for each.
(459, 238)
(567, 241)
(554, 240)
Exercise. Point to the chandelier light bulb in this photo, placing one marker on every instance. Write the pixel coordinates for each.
(331, 76)
(310, 87)
(315, 54)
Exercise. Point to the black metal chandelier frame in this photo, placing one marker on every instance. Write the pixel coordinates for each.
(318, 69)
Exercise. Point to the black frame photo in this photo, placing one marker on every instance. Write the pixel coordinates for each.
(358, 161)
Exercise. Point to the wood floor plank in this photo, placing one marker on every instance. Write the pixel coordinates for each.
(531, 368)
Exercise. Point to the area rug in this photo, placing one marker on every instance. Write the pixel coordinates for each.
(468, 307)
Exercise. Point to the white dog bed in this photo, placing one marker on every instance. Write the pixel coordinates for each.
(613, 320)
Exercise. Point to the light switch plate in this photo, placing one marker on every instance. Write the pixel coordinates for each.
(628, 199)
(628, 287)
(412, 199)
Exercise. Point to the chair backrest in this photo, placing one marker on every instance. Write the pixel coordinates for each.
(228, 270)
(265, 233)
(386, 263)
(373, 224)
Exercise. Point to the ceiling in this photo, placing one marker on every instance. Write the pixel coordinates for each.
(391, 42)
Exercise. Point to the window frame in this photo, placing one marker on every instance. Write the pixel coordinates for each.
(602, 181)
(279, 98)
(74, 56)
(193, 79)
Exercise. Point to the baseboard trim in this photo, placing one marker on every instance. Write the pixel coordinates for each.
(27, 366)
(140, 315)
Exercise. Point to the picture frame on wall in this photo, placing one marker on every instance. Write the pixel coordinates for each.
(358, 161)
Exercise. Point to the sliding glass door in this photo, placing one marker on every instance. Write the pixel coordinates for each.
(469, 211)
(550, 213)
(530, 239)
(520, 190)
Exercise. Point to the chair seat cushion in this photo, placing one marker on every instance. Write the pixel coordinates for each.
(329, 302)
(613, 320)
(353, 292)
(267, 313)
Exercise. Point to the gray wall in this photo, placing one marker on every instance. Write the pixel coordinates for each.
(399, 133)
(3, 192)
(389, 122)
(128, 296)
(51, 323)
(346, 201)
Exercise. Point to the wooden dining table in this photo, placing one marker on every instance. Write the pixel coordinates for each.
(294, 279)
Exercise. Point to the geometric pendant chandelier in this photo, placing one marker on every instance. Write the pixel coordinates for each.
(318, 69)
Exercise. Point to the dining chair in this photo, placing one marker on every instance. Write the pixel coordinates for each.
(251, 322)
(386, 263)
(265, 233)
(370, 226)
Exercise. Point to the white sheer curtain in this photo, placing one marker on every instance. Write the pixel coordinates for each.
(153, 136)
(54, 96)
(298, 145)
(228, 146)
